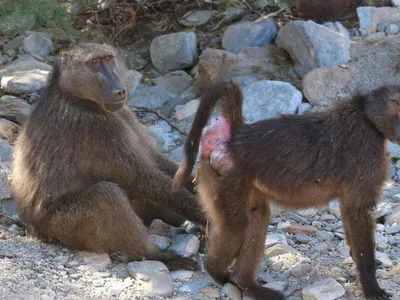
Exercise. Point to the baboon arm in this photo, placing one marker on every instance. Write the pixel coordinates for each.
(156, 186)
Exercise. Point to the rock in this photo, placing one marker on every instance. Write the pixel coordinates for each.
(149, 96)
(384, 259)
(175, 82)
(8, 205)
(303, 107)
(302, 238)
(38, 43)
(306, 229)
(382, 209)
(197, 17)
(275, 238)
(185, 245)
(259, 62)
(266, 99)
(374, 37)
(301, 270)
(328, 218)
(324, 235)
(8, 130)
(156, 274)
(94, 261)
(380, 227)
(133, 79)
(187, 110)
(308, 212)
(232, 13)
(165, 137)
(5, 191)
(283, 225)
(14, 109)
(279, 286)
(334, 208)
(278, 249)
(176, 154)
(325, 289)
(158, 227)
(373, 18)
(395, 3)
(312, 45)
(393, 217)
(174, 51)
(392, 29)
(160, 241)
(24, 82)
(249, 34)
(231, 292)
(393, 229)
(183, 275)
(193, 287)
(393, 149)
(338, 27)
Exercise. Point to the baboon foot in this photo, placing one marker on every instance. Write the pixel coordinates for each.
(175, 262)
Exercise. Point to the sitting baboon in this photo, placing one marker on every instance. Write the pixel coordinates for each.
(85, 172)
(297, 161)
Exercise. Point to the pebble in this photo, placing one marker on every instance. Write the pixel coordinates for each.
(302, 238)
(183, 275)
(278, 249)
(305, 229)
(276, 285)
(382, 209)
(325, 289)
(160, 241)
(193, 287)
(95, 261)
(308, 212)
(231, 291)
(185, 245)
(334, 208)
(197, 18)
(301, 270)
(275, 238)
(328, 218)
(380, 227)
(384, 259)
(324, 235)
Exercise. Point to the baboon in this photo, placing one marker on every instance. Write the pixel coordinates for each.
(297, 161)
(85, 172)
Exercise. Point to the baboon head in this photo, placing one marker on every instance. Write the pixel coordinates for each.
(94, 72)
(382, 108)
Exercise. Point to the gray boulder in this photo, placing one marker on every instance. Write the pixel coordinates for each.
(174, 51)
(338, 27)
(38, 43)
(266, 99)
(312, 45)
(14, 109)
(249, 34)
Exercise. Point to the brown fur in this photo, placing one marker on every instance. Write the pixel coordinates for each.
(296, 161)
(88, 176)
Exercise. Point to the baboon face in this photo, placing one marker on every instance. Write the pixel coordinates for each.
(97, 77)
(382, 108)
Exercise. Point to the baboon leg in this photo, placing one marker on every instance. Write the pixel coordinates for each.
(252, 251)
(360, 226)
(227, 229)
(157, 187)
(148, 212)
(102, 219)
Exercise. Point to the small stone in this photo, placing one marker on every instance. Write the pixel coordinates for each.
(382, 209)
(283, 225)
(145, 270)
(231, 291)
(185, 245)
(193, 287)
(380, 227)
(306, 229)
(183, 275)
(160, 241)
(197, 18)
(14, 109)
(302, 238)
(334, 208)
(278, 249)
(382, 274)
(211, 293)
(95, 261)
(187, 110)
(328, 218)
(301, 270)
(375, 37)
(308, 212)
(279, 286)
(98, 282)
(395, 228)
(393, 218)
(326, 289)
(396, 197)
(275, 238)
(384, 259)
(395, 3)
(303, 107)
(38, 43)
(324, 235)
(392, 29)
(338, 27)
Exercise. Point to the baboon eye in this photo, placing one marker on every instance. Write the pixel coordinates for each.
(95, 60)
(108, 58)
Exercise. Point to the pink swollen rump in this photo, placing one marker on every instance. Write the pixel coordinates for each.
(215, 138)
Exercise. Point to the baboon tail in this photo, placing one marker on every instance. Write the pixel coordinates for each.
(230, 99)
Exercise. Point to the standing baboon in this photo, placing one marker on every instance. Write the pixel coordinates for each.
(297, 161)
(85, 172)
